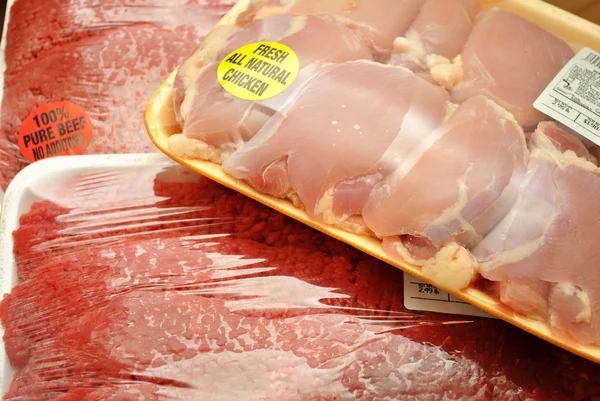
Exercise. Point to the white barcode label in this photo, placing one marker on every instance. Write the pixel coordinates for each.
(424, 297)
(593, 58)
(573, 97)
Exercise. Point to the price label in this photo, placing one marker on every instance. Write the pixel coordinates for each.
(55, 129)
(421, 296)
(573, 97)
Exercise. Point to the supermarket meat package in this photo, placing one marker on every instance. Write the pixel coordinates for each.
(299, 200)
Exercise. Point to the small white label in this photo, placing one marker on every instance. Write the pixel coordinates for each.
(573, 97)
(420, 296)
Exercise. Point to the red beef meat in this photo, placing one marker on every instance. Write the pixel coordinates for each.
(195, 347)
(65, 287)
(192, 347)
(108, 392)
(307, 315)
(107, 56)
(66, 21)
(190, 206)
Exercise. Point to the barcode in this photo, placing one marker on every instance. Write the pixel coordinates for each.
(594, 59)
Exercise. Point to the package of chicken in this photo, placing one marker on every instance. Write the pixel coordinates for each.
(454, 139)
(101, 58)
(130, 277)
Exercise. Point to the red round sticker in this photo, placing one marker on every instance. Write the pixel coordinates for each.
(55, 129)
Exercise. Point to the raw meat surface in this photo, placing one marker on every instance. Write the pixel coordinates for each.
(548, 237)
(552, 137)
(106, 56)
(327, 138)
(378, 21)
(125, 266)
(526, 295)
(271, 311)
(440, 30)
(222, 122)
(308, 356)
(508, 59)
(111, 392)
(458, 183)
(212, 48)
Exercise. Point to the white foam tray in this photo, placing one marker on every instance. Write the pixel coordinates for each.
(3, 63)
(35, 183)
(9, 4)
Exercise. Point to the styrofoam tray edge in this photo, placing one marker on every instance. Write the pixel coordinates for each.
(9, 5)
(18, 190)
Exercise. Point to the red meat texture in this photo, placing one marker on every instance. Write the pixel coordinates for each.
(106, 56)
(180, 289)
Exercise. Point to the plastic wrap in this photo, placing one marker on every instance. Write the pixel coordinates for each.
(137, 279)
(418, 132)
(105, 56)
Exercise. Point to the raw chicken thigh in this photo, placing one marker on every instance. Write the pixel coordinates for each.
(378, 21)
(454, 187)
(217, 43)
(508, 59)
(479, 155)
(550, 136)
(348, 128)
(527, 296)
(217, 122)
(440, 31)
(544, 251)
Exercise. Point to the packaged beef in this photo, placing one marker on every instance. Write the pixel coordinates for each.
(419, 132)
(105, 56)
(142, 280)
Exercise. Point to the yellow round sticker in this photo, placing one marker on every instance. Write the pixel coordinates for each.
(259, 71)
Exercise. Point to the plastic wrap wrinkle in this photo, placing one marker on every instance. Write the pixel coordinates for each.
(106, 56)
(177, 288)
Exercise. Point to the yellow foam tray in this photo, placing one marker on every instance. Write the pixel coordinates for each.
(160, 123)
